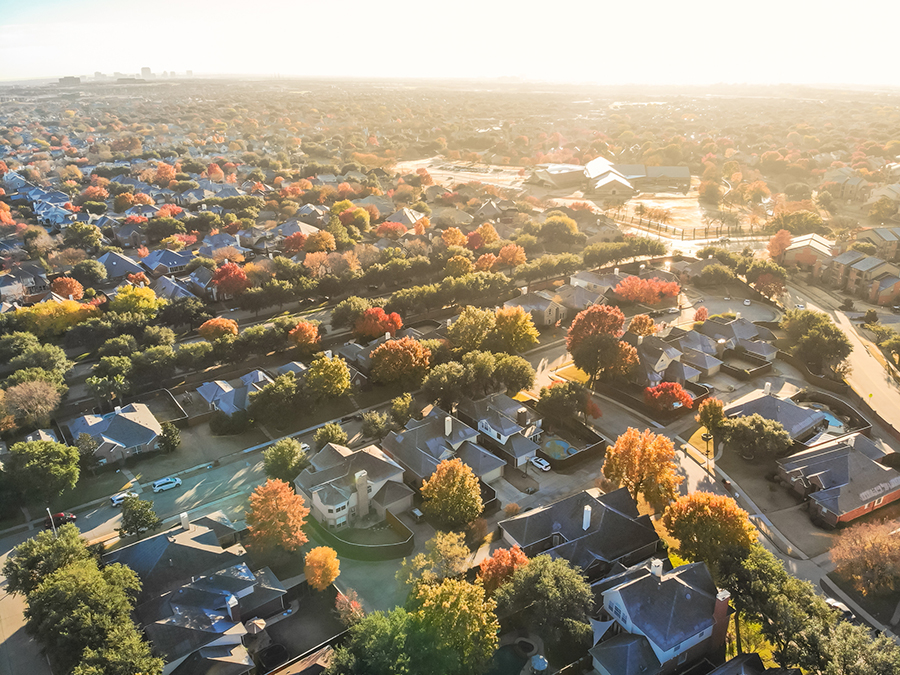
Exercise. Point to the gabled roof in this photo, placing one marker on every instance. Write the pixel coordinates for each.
(626, 654)
(849, 257)
(845, 473)
(333, 473)
(531, 302)
(405, 216)
(166, 257)
(131, 426)
(118, 265)
(867, 264)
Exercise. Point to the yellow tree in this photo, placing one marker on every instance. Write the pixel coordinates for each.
(642, 324)
(452, 494)
(321, 567)
(453, 236)
(276, 517)
(514, 329)
(644, 463)
(136, 300)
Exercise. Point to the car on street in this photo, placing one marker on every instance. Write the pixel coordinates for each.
(164, 484)
(846, 612)
(305, 447)
(119, 497)
(540, 463)
(674, 310)
(727, 297)
(800, 305)
(747, 302)
(58, 519)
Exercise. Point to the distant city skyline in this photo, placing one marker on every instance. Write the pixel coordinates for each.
(654, 42)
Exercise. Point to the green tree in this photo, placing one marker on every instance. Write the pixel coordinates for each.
(89, 272)
(551, 597)
(452, 494)
(514, 330)
(328, 377)
(35, 559)
(402, 409)
(170, 440)
(277, 401)
(138, 516)
(375, 424)
(471, 329)
(705, 524)
(446, 555)
(82, 235)
(347, 312)
(183, 312)
(125, 651)
(714, 276)
(48, 357)
(561, 401)
(16, 343)
(43, 468)
(514, 373)
(284, 460)
(753, 435)
(882, 209)
(604, 357)
(379, 644)
(329, 433)
(445, 383)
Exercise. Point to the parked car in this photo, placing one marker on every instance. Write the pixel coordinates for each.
(58, 519)
(164, 484)
(674, 310)
(747, 302)
(119, 497)
(540, 463)
(727, 297)
(800, 305)
(305, 447)
(847, 613)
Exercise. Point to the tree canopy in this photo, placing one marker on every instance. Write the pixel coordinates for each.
(452, 494)
(644, 463)
(276, 517)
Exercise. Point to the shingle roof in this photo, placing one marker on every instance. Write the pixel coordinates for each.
(796, 419)
(133, 425)
(626, 654)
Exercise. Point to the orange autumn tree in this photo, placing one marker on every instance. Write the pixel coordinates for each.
(67, 287)
(403, 360)
(485, 262)
(511, 255)
(495, 570)
(453, 236)
(375, 322)
(293, 244)
(321, 567)
(276, 517)
(642, 325)
(230, 279)
(595, 320)
(644, 463)
(138, 278)
(646, 291)
(779, 243)
(305, 336)
(165, 173)
(215, 328)
(701, 314)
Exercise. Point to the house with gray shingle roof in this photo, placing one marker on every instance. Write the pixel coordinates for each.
(509, 427)
(343, 486)
(126, 431)
(653, 620)
(118, 265)
(544, 310)
(162, 261)
(221, 395)
(801, 423)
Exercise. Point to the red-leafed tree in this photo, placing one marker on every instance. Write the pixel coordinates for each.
(215, 173)
(647, 291)
(215, 328)
(596, 319)
(165, 173)
(294, 243)
(779, 243)
(664, 396)
(485, 262)
(494, 571)
(67, 287)
(701, 314)
(474, 241)
(391, 230)
(230, 279)
(305, 336)
(138, 278)
(769, 285)
(403, 360)
(135, 220)
(375, 322)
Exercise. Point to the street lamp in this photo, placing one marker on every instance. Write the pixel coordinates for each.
(52, 522)
(707, 437)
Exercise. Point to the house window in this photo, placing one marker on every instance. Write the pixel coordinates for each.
(330, 510)
(369, 489)
(682, 658)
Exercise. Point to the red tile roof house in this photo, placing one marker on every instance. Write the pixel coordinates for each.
(843, 479)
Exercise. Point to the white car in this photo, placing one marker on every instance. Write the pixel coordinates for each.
(800, 305)
(727, 297)
(540, 463)
(747, 303)
(119, 497)
(305, 447)
(674, 310)
(164, 484)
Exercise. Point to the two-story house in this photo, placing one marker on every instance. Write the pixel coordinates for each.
(885, 239)
(425, 443)
(126, 431)
(839, 270)
(24, 283)
(863, 272)
(658, 361)
(544, 310)
(343, 486)
(510, 429)
(811, 252)
(163, 262)
(656, 621)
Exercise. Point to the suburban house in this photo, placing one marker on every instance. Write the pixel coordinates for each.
(885, 239)
(847, 185)
(221, 395)
(843, 479)
(655, 621)
(597, 283)
(204, 620)
(861, 274)
(698, 351)
(594, 531)
(544, 310)
(405, 216)
(425, 443)
(839, 270)
(200, 283)
(658, 361)
(126, 431)
(801, 423)
(811, 252)
(751, 664)
(574, 299)
(689, 270)
(170, 289)
(343, 486)
(742, 336)
(131, 235)
(214, 242)
(118, 266)
(162, 262)
(23, 283)
(510, 429)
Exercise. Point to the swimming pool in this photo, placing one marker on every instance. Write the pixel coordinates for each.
(835, 424)
(557, 448)
(507, 661)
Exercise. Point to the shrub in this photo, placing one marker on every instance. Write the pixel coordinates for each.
(223, 425)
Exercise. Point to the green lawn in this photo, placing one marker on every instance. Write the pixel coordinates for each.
(90, 488)
(879, 605)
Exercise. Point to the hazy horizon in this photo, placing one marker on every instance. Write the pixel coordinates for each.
(573, 41)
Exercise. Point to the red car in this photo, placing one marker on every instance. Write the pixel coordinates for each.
(58, 519)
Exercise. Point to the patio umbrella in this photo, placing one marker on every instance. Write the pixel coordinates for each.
(256, 626)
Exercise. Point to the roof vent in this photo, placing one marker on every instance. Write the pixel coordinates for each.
(586, 519)
(768, 388)
(656, 568)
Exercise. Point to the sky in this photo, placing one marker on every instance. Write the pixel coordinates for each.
(589, 41)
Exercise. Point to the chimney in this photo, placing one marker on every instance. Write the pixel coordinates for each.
(234, 612)
(448, 426)
(327, 353)
(387, 335)
(737, 315)
(656, 568)
(71, 297)
(616, 271)
(362, 494)
(185, 521)
(768, 388)
(640, 339)
(586, 519)
(720, 618)
(118, 409)
(522, 417)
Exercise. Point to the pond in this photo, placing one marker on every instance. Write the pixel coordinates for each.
(507, 661)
